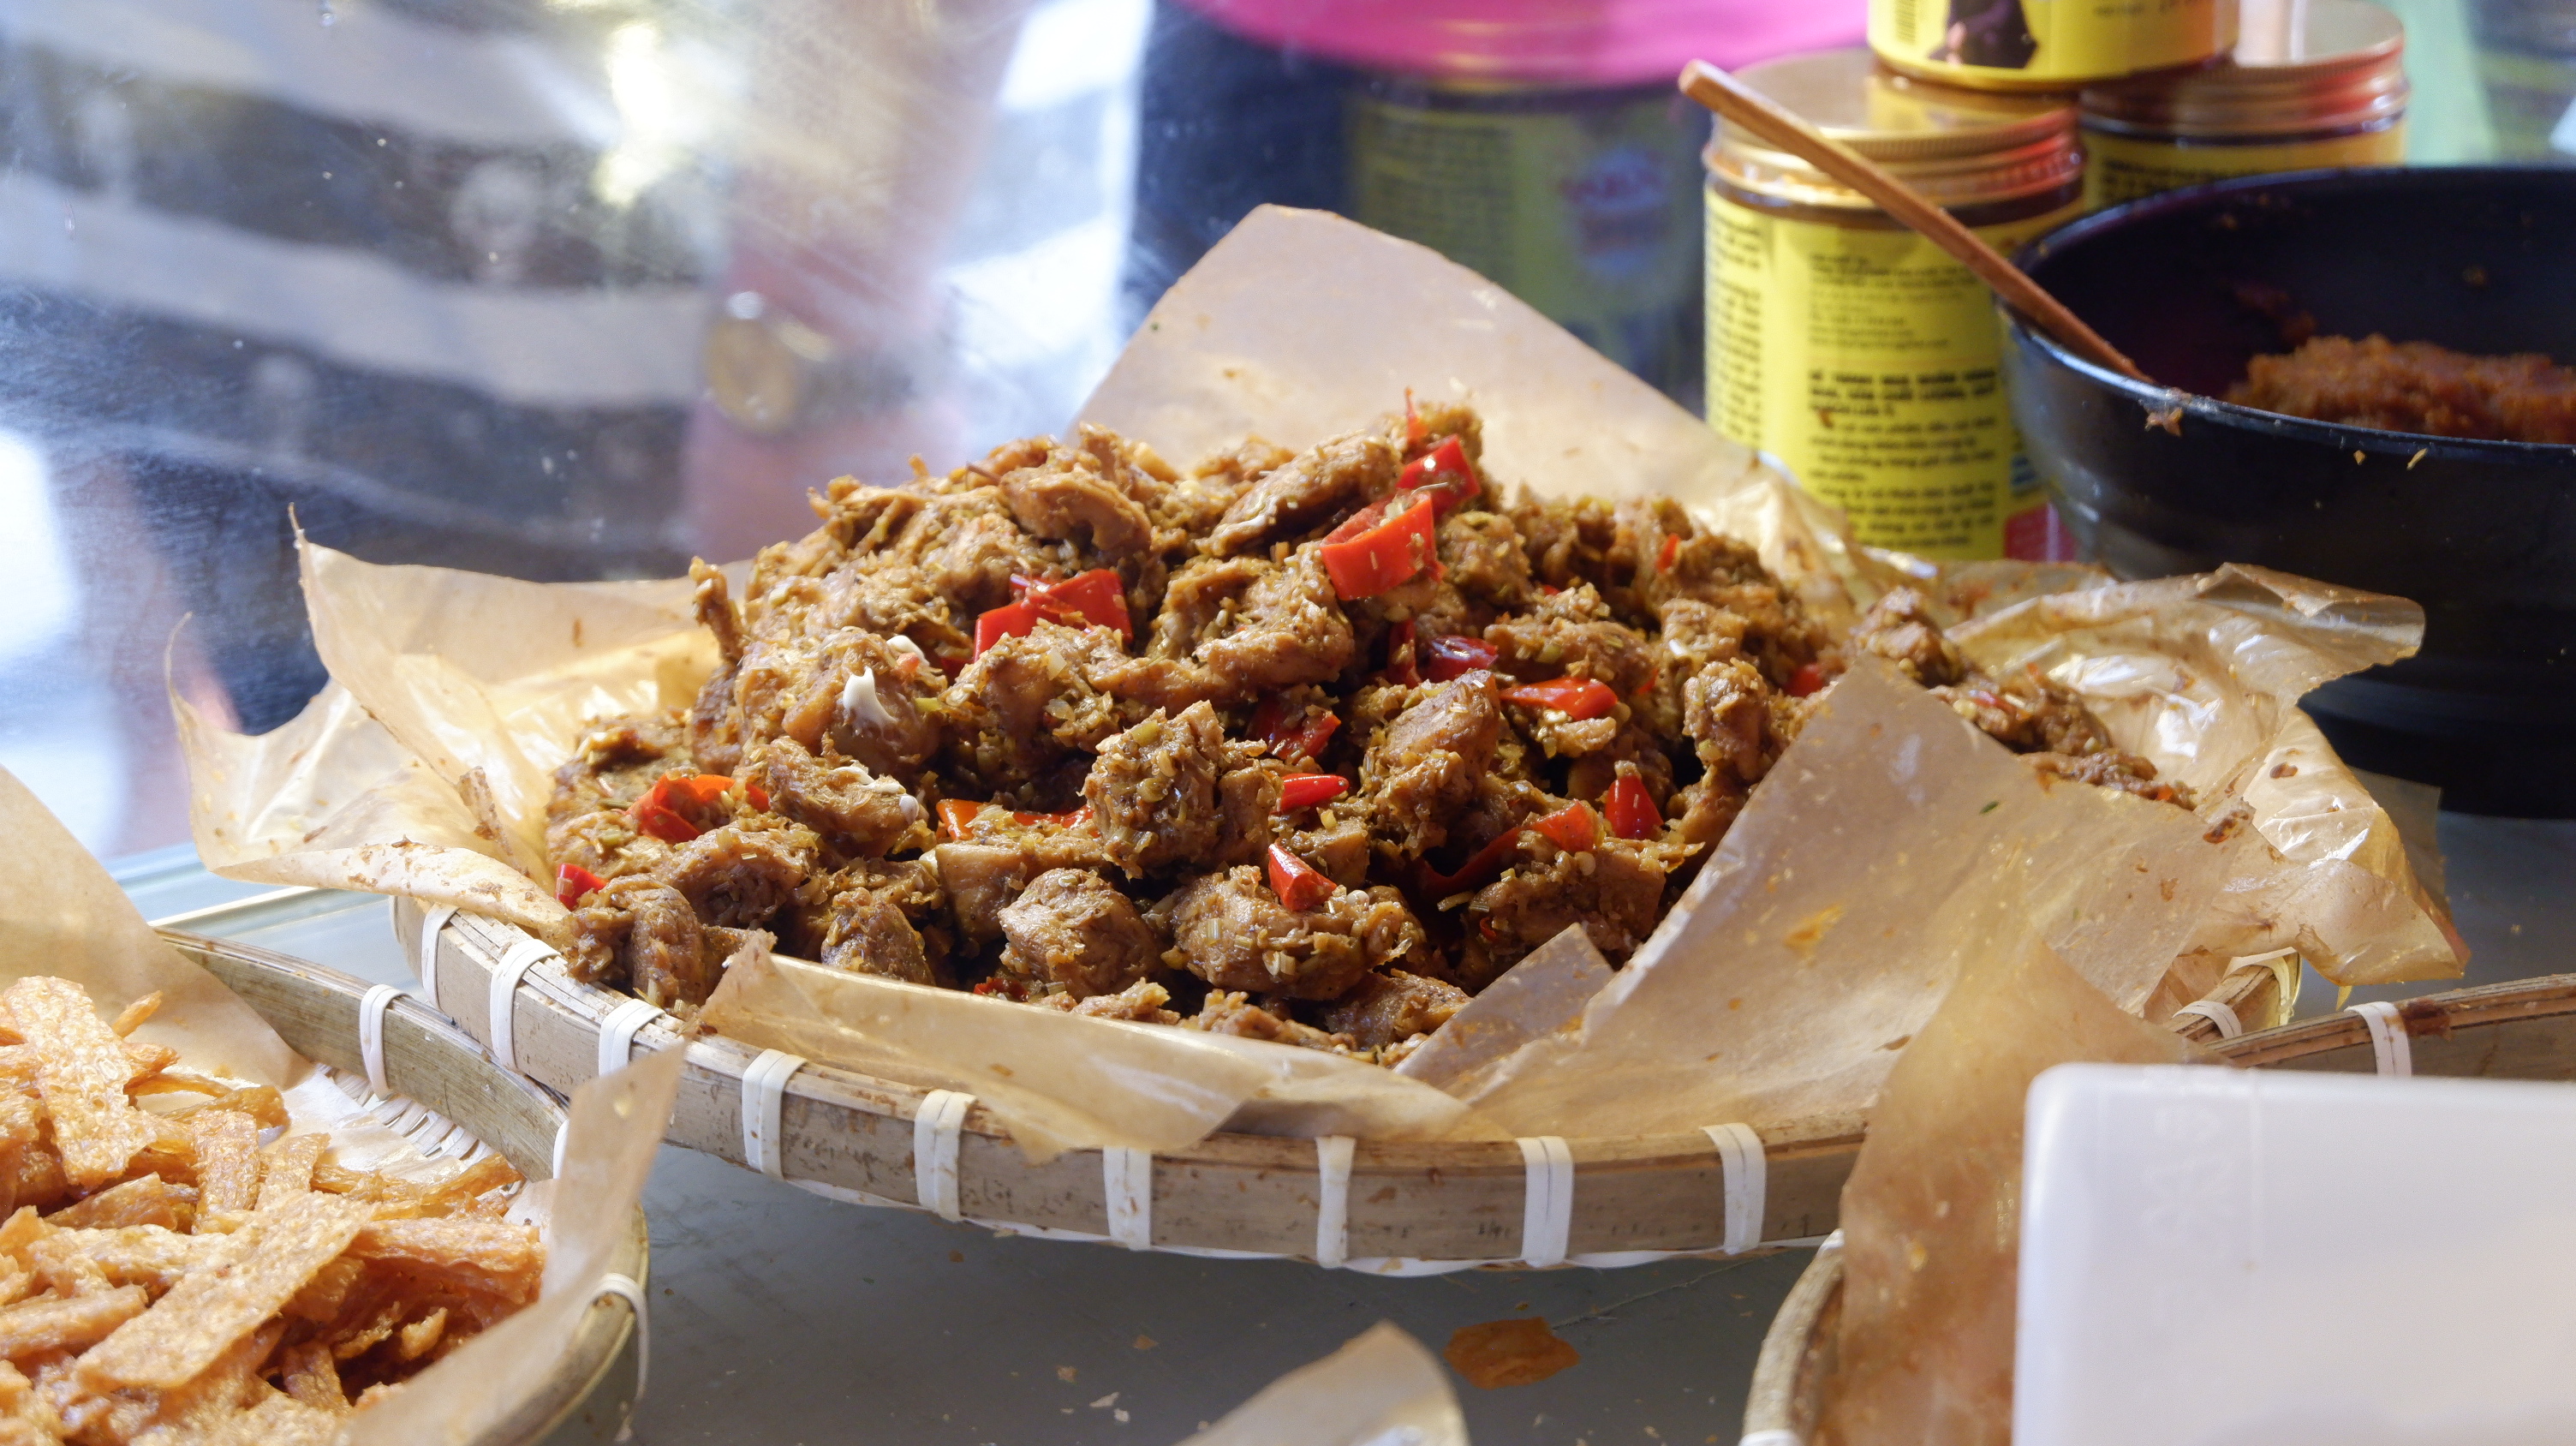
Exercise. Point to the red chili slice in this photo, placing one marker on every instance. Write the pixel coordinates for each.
(1300, 791)
(1576, 698)
(1400, 654)
(1806, 678)
(1011, 620)
(1481, 865)
(758, 795)
(659, 811)
(1295, 881)
(1631, 809)
(572, 881)
(1665, 554)
(1447, 658)
(1094, 599)
(1382, 556)
(1304, 738)
(1571, 828)
(957, 816)
(1444, 476)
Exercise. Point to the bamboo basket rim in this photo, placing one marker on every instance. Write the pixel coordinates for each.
(1670, 1188)
(1786, 1395)
(322, 1027)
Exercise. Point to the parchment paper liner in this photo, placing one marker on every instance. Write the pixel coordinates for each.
(1296, 326)
(62, 914)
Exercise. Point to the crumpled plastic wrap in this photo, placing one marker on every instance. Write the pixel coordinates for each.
(1931, 1216)
(1382, 1389)
(62, 914)
(425, 769)
(2201, 676)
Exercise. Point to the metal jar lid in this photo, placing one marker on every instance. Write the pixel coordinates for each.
(1959, 147)
(2345, 71)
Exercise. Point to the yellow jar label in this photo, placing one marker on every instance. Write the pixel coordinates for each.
(1869, 362)
(2121, 168)
(1588, 213)
(2029, 44)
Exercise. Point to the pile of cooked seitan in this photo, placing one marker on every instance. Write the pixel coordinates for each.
(1307, 747)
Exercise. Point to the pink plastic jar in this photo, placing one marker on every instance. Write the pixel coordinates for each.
(1539, 142)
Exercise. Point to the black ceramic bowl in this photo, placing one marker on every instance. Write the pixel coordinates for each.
(2483, 534)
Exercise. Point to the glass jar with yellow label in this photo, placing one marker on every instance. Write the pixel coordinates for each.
(1859, 354)
(2333, 95)
(2046, 44)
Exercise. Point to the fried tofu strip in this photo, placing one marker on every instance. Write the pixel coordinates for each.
(227, 1161)
(144, 1200)
(288, 1171)
(82, 1069)
(67, 1323)
(493, 1256)
(263, 1265)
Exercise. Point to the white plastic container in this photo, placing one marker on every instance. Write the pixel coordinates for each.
(2217, 1257)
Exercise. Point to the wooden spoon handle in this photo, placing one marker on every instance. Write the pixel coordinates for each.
(1737, 104)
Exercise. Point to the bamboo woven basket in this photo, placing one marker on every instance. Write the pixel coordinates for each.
(315, 1010)
(2524, 1030)
(1397, 1207)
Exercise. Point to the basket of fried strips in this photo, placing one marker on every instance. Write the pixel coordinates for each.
(348, 1226)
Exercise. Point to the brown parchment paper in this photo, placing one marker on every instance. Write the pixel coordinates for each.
(462, 693)
(62, 914)
(1059, 1081)
(1931, 1216)
(1891, 846)
(1382, 1389)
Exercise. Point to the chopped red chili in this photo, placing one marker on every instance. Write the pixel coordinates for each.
(1447, 658)
(1295, 881)
(1380, 555)
(659, 812)
(758, 795)
(1481, 865)
(1806, 678)
(1665, 554)
(1631, 809)
(1444, 476)
(1572, 828)
(1011, 620)
(1400, 666)
(1576, 698)
(957, 816)
(572, 881)
(1094, 599)
(1305, 737)
(1305, 790)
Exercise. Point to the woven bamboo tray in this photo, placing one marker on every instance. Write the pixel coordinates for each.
(1389, 1207)
(2524, 1030)
(426, 1061)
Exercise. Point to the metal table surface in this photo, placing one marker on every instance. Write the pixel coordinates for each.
(782, 1318)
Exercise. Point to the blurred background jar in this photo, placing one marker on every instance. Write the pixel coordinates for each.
(2325, 86)
(1538, 142)
(2526, 58)
(1857, 353)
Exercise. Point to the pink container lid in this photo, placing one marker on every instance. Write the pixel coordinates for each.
(1555, 42)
